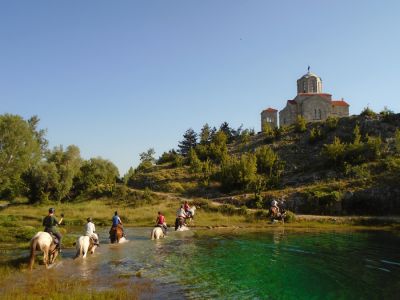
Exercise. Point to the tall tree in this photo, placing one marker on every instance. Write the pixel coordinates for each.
(189, 141)
(225, 128)
(19, 150)
(205, 134)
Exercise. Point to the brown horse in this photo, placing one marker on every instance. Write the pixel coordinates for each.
(116, 234)
(43, 241)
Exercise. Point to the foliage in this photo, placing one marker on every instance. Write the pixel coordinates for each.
(238, 173)
(194, 162)
(266, 160)
(167, 157)
(368, 112)
(225, 128)
(179, 160)
(332, 122)
(397, 140)
(205, 134)
(335, 152)
(358, 172)
(189, 141)
(301, 124)
(20, 149)
(315, 135)
(97, 177)
(290, 217)
(268, 132)
(148, 156)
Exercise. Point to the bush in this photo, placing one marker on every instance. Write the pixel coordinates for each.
(397, 140)
(367, 112)
(334, 153)
(290, 217)
(357, 172)
(301, 124)
(315, 135)
(332, 122)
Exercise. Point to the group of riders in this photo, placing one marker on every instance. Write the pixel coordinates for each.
(50, 223)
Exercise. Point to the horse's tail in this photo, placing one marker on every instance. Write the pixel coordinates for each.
(34, 242)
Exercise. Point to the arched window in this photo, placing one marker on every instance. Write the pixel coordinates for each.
(315, 113)
(320, 114)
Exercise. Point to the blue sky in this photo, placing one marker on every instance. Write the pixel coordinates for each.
(118, 77)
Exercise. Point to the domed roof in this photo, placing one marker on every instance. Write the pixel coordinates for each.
(309, 74)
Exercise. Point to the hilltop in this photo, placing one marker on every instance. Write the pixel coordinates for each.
(339, 167)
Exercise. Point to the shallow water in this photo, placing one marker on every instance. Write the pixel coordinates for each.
(238, 264)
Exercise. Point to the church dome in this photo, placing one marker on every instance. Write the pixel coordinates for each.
(309, 83)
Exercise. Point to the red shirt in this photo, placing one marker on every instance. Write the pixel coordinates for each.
(186, 207)
(161, 219)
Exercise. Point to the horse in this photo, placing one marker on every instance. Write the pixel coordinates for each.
(180, 224)
(85, 244)
(44, 242)
(277, 215)
(157, 233)
(116, 235)
(192, 211)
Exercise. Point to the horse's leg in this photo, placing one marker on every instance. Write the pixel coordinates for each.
(46, 256)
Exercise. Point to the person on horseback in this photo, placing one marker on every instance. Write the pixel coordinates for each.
(274, 206)
(180, 217)
(186, 207)
(90, 230)
(160, 222)
(50, 225)
(116, 222)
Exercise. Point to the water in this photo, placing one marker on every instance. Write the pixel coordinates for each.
(238, 264)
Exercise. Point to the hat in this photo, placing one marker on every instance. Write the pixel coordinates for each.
(89, 219)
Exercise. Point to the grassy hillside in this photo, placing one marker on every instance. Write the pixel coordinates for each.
(357, 175)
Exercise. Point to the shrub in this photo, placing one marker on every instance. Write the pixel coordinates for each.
(268, 132)
(335, 152)
(179, 160)
(301, 124)
(358, 172)
(397, 140)
(332, 122)
(367, 112)
(315, 135)
(290, 217)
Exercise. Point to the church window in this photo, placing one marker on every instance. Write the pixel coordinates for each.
(315, 113)
(320, 114)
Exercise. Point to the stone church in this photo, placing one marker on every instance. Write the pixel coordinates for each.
(310, 103)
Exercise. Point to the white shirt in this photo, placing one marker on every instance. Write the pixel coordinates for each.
(180, 213)
(89, 228)
(274, 203)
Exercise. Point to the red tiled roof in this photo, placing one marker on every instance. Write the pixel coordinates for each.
(291, 101)
(269, 109)
(340, 103)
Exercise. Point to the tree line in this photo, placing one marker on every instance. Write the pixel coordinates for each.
(28, 168)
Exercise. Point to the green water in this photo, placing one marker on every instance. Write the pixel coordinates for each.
(282, 264)
(215, 264)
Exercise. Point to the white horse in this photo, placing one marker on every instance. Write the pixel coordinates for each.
(192, 211)
(85, 244)
(43, 241)
(157, 233)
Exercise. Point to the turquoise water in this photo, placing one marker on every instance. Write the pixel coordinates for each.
(236, 264)
(290, 265)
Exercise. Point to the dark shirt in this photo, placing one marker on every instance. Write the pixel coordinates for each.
(50, 223)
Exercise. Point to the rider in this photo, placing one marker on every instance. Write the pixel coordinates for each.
(274, 207)
(50, 223)
(181, 214)
(160, 222)
(116, 222)
(90, 230)
(187, 210)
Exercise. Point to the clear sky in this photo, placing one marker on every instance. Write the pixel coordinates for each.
(118, 77)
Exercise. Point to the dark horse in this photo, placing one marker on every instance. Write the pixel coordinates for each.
(179, 222)
(116, 234)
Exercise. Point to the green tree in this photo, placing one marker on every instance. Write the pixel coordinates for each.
(205, 134)
(335, 152)
(189, 141)
(266, 160)
(67, 164)
(97, 177)
(148, 156)
(225, 128)
(20, 149)
(194, 161)
(218, 147)
(357, 135)
(42, 182)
